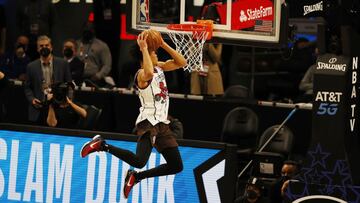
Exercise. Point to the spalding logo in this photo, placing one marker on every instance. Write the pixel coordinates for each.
(332, 60)
(319, 199)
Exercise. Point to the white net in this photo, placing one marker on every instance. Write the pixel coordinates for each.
(190, 45)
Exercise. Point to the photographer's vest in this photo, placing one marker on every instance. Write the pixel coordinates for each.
(154, 99)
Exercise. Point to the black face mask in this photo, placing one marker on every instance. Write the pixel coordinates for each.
(68, 52)
(21, 46)
(284, 178)
(251, 194)
(87, 36)
(45, 52)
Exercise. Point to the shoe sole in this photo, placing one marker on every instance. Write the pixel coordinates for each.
(94, 138)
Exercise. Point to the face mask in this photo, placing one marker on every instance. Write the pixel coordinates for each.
(87, 35)
(68, 52)
(284, 178)
(45, 52)
(23, 46)
(251, 194)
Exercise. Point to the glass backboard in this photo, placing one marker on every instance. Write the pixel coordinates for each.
(243, 22)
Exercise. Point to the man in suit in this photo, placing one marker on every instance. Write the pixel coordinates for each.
(41, 73)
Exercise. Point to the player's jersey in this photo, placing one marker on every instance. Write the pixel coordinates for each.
(154, 99)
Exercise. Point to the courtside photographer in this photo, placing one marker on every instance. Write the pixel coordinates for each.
(253, 192)
(62, 111)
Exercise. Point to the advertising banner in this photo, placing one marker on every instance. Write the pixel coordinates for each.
(330, 171)
(245, 13)
(36, 167)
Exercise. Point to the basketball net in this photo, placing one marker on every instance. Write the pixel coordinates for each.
(189, 40)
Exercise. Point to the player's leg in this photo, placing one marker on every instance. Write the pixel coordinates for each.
(173, 165)
(138, 160)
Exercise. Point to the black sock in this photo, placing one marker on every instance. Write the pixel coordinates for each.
(105, 147)
(137, 179)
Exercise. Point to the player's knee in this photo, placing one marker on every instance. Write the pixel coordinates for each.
(139, 164)
(177, 168)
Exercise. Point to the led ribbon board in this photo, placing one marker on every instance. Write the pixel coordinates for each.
(37, 167)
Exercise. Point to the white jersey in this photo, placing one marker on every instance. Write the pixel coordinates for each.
(154, 99)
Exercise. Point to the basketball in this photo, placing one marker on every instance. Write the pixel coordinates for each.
(154, 40)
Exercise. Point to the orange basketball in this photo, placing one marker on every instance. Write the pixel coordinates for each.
(154, 40)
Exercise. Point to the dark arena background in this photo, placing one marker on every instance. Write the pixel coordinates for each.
(282, 128)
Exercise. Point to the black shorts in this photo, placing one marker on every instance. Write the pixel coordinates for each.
(160, 135)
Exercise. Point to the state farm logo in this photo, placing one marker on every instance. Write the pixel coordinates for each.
(312, 8)
(332, 60)
(243, 17)
(257, 13)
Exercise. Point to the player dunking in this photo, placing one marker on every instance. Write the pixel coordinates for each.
(152, 123)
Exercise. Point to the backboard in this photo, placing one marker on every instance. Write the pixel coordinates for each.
(242, 22)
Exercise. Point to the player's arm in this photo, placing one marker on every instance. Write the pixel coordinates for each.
(177, 60)
(147, 72)
(51, 118)
(78, 109)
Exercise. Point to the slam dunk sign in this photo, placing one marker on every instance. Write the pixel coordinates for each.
(38, 167)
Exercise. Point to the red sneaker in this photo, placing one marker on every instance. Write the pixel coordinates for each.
(94, 145)
(130, 181)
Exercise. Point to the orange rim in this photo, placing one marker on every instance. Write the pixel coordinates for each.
(194, 28)
(187, 27)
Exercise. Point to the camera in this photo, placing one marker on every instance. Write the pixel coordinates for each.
(60, 91)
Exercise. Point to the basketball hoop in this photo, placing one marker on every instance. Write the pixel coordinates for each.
(189, 40)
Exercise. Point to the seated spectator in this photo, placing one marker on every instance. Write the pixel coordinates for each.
(63, 112)
(76, 65)
(288, 171)
(253, 192)
(14, 63)
(96, 56)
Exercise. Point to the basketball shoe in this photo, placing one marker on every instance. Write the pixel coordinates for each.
(94, 145)
(130, 181)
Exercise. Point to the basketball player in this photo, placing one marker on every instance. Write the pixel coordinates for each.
(152, 123)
